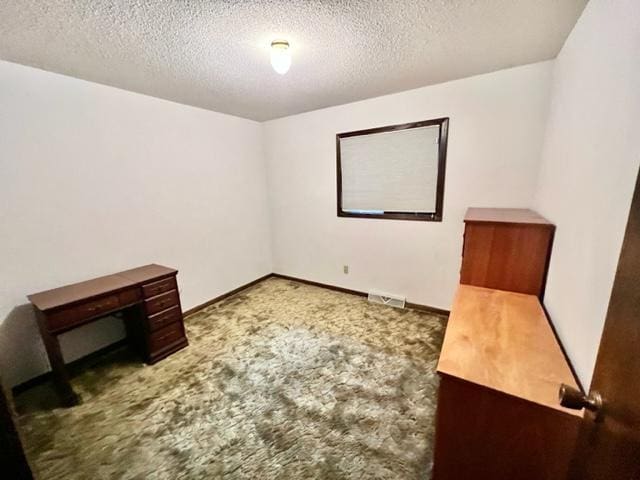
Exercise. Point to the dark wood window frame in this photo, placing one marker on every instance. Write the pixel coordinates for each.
(442, 161)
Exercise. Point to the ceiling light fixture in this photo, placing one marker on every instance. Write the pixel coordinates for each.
(280, 56)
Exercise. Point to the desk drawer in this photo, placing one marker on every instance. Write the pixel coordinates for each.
(161, 286)
(164, 318)
(128, 297)
(70, 316)
(166, 336)
(96, 307)
(161, 302)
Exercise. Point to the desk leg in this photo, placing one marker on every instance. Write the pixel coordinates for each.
(61, 381)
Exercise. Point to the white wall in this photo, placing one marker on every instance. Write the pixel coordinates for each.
(96, 180)
(495, 137)
(589, 166)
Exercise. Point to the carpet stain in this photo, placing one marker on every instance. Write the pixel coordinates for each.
(284, 380)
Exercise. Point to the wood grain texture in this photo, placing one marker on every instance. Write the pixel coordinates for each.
(506, 255)
(65, 318)
(68, 307)
(505, 215)
(158, 287)
(166, 337)
(147, 273)
(56, 360)
(77, 292)
(161, 319)
(609, 447)
(482, 434)
(161, 302)
(99, 286)
(502, 341)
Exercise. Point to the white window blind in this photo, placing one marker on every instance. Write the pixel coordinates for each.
(394, 171)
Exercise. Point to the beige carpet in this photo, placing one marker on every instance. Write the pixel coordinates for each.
(283, 381)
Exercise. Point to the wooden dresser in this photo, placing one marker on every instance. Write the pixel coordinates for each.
(498, 412)
(506, 249)
(147, 296)
(501, 366)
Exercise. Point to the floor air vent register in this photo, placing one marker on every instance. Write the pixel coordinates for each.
(386, 299)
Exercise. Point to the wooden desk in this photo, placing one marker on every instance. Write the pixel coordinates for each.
(500, 369)
(148, 297)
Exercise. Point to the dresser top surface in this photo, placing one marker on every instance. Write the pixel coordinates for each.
(76, 292)
(503, 341)
(505, 215)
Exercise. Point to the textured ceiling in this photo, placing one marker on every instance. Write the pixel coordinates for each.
(215, 53)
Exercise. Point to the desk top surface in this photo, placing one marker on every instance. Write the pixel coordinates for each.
(76, 292)
(147, 272)
(503, 341)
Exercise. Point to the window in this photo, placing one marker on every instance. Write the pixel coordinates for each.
(394, 172)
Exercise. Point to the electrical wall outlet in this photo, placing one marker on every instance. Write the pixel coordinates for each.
(345, 269)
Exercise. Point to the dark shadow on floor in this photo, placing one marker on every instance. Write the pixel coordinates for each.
(91, 368)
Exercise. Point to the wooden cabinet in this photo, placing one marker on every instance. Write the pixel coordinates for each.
(498, 414)
(506, 249)
(501, 365)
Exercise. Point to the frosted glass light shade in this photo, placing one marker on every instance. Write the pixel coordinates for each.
(280, 56)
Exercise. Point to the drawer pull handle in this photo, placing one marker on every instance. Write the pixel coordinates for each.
(101, 306)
